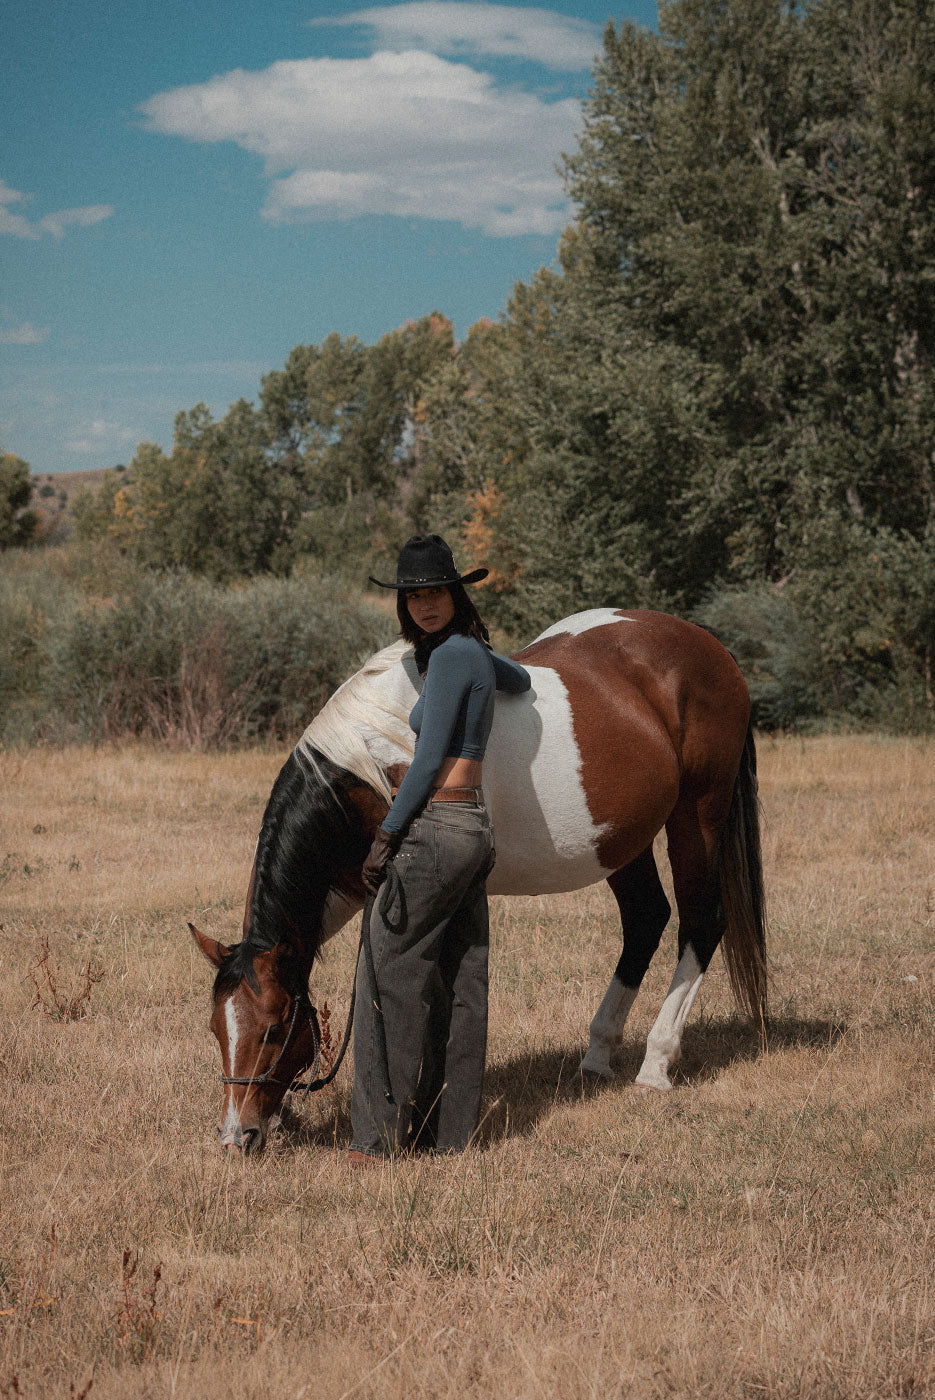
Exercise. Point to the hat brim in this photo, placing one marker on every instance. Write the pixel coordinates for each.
(474, 576)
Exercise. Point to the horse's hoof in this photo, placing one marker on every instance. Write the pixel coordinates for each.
(653, 1083)
(596, 1069)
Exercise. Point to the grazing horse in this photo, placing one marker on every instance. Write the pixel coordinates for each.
(635, 721)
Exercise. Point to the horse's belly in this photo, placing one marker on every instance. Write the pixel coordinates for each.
(528, 869)
(545, 836)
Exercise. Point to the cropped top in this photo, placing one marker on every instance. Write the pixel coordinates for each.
(453, 715)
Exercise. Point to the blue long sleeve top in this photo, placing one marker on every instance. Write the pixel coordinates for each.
(453, 715)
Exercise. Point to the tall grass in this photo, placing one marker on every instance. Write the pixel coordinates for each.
(766, 1230)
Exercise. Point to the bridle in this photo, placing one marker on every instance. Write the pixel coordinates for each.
(302, 1003)
(392, 892)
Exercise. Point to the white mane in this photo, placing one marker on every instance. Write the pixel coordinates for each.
(360, 714)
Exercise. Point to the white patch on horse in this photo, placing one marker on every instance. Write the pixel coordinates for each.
(545, 836)
(607, 1028)
(664, 1043)
(231, 1125)
(584, 622)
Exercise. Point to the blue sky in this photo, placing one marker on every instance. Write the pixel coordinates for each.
(190, 190)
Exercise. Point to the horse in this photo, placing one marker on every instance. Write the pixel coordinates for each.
(636, 721)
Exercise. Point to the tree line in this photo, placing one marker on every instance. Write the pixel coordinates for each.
(720, 400)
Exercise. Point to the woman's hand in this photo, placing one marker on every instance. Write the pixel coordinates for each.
(385, 845)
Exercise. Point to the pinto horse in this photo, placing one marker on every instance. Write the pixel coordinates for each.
(635, 721)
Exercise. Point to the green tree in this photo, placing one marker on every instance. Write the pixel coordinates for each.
(220, 503)
(738, 341)
(758, 183)
(348, 410)
(347, 415)
(17, 524)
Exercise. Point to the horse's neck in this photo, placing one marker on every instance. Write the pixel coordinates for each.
(302, 854)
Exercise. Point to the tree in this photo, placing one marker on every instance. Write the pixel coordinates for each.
(17, 524)
(220, 503)
(347, 415)
(764, 199)
(738, 341)
(319, 468)
(347, 410)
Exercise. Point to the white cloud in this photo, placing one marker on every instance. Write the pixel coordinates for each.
(396, 133)
(455, 28)
(16, 224)
(100, 436)
(19, 226)
(84, 217)
(24, 334)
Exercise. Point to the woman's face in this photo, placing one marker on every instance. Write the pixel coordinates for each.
(431, 609)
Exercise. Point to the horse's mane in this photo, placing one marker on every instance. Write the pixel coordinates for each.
(310, 827)
(310, 830)
(357, 707)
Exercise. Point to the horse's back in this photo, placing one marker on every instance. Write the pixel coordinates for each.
(626, 707)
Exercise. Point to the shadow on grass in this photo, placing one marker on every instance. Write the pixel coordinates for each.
(713, 1045)
(524, 1089)
(324, 1120)
(521, 1090)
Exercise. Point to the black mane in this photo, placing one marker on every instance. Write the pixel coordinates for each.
(310, 831)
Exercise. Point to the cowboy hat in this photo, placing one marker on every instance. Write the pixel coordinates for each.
(425, 561)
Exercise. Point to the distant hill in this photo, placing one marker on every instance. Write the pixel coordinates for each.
(53, 494)
(69, 482)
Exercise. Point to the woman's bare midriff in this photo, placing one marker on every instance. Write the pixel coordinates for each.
(459, 772)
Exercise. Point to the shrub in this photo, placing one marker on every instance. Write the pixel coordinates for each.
(179, 659)
(775, 649)
(34, 601)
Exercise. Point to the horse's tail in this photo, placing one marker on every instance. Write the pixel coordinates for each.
(740, 874)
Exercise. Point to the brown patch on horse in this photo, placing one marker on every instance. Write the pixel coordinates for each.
(372, 809)
(627, 689)
(371, 806)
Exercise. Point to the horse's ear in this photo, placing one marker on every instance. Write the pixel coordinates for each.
(216, 953)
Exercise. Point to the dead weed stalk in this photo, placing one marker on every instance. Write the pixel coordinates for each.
(55, 1004)
(137, 1318)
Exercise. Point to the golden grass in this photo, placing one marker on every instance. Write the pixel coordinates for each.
(765, 1230)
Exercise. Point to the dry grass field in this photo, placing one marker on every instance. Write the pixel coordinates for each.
(767, 1229)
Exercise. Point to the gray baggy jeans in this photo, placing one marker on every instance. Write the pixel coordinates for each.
(432, 981)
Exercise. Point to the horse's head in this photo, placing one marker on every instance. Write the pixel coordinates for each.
(267, 1030)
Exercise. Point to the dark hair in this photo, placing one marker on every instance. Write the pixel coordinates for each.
(467, 621)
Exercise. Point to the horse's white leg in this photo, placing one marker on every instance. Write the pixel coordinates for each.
(644, 913)
(664, 1043)
(607, 1028)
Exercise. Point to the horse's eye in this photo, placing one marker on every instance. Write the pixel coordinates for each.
(271, 1035)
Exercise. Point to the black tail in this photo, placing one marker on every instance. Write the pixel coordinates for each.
(740, 872)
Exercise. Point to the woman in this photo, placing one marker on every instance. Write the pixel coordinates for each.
(430, 947)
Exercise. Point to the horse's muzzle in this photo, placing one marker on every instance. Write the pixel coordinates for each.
(244, 1140)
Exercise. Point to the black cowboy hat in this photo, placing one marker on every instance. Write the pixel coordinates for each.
(425, 561)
